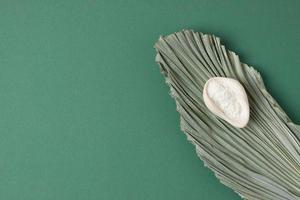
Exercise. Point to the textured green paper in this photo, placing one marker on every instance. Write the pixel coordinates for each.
(261, 161)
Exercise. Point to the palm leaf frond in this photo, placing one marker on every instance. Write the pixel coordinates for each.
(260, 161)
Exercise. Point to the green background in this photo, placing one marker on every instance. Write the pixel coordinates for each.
(84, 110)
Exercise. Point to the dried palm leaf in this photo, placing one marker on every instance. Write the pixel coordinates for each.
(260, 161)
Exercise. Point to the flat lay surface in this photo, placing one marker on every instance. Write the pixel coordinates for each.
(85, 113)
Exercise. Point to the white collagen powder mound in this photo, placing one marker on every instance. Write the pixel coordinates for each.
(227, 98)
(224, 98)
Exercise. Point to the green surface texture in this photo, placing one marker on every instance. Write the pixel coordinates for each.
(84, 111)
